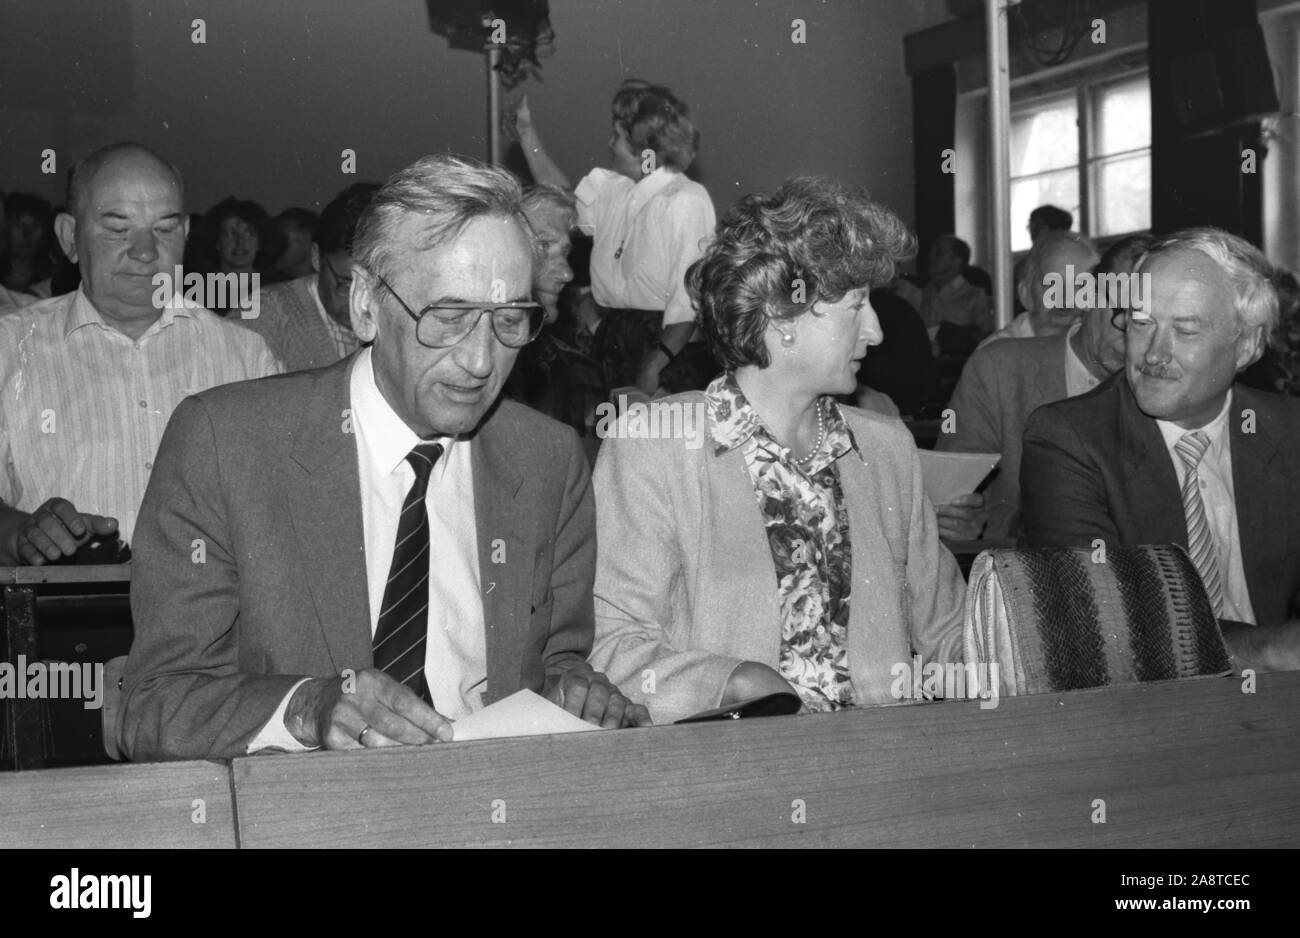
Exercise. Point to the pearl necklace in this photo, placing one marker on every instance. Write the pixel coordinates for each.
(821, 437)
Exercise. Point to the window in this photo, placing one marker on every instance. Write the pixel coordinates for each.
(1087, 151)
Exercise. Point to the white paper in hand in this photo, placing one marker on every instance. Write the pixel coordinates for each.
(947, 475)
(523, 713)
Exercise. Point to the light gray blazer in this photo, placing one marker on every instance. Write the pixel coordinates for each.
(1001, 385)
(686, 588)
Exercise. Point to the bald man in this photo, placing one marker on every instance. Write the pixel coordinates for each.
(1060, 257)
(99, 371)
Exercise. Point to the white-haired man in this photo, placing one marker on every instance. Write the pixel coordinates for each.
(385, 548)
(1052, 267)
(1172, 451)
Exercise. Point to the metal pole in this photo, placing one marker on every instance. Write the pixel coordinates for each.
(494, 105)
(999, 82)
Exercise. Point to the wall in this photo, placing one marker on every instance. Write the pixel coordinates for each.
(264, 108)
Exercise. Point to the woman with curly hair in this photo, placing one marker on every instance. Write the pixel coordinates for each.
(778, 541)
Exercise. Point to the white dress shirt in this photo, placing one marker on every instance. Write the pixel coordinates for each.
(660, 223)
(1215, 473)
(83, 406)
(455, 662)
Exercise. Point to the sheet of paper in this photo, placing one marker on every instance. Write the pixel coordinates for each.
(947, 475)
(523, 713)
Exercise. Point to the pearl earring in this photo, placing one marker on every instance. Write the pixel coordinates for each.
(787, 339)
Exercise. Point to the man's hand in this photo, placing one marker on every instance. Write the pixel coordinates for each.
(523, 117)
(1263, 647)
(368, 708)
(751, 679)
(588, 694)
(963, 518)
(53, 531)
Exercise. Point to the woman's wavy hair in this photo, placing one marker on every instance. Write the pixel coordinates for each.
(656, 119)
(778, 252)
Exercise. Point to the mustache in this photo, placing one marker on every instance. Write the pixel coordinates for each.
(1159, 371)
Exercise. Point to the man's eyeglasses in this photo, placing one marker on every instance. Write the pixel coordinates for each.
(341, 284)
(442, 325)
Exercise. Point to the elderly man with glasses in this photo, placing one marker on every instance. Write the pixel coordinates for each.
(357, 556)
(307, 321)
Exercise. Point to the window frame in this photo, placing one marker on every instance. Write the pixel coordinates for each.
(1085, 89)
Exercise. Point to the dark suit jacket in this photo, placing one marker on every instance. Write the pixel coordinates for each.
(1095, 466)
(290, 322)
(249, 560)
(1001, 385)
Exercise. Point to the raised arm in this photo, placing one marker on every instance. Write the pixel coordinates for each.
(539, 161)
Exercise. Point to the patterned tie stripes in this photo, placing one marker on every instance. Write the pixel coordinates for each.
(1191, 449)
(402, 634)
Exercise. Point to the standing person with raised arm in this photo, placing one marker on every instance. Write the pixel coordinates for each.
(649, 222)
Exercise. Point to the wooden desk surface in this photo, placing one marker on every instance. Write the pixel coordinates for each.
(118, 806)
(1194, 763)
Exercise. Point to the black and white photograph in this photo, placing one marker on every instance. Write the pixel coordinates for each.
(651, 424)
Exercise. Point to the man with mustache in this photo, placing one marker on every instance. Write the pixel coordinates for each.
(358, 555)
(1172, 451)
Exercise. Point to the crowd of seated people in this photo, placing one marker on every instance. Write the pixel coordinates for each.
(410, 495)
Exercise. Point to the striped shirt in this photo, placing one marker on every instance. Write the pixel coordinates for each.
(344, 339)
(83, 406)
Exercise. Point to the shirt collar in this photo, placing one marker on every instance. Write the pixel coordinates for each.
(1215, 430)
(387, 437)
(733, 421)
(83, 313)
(647, 187)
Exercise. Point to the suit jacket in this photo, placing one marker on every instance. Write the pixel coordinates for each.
(249, 561)
(1001, 385)
(686, 586)
(290, 322)
(1095, 466)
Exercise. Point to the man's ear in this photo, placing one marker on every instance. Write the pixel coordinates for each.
(1022, 291)
(1250, 347)
(65, 229)
(363, 302)
(315, 257)
(185, 226)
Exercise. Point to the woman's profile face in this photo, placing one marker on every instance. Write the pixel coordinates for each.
(830, 343)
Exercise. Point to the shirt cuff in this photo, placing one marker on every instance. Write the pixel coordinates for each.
(274, 734)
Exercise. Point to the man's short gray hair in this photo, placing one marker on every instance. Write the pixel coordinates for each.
(1036, 261)
(543, 197)
(448, 192)
(1244, 266)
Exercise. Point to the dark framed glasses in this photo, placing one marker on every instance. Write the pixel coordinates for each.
(442, 325)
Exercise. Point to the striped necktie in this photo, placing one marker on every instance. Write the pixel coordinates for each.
(1191, 449)
(402, 633)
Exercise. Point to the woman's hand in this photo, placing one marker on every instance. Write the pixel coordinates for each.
(751, 679)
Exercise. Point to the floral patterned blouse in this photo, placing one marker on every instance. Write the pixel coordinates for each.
(807, 527)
